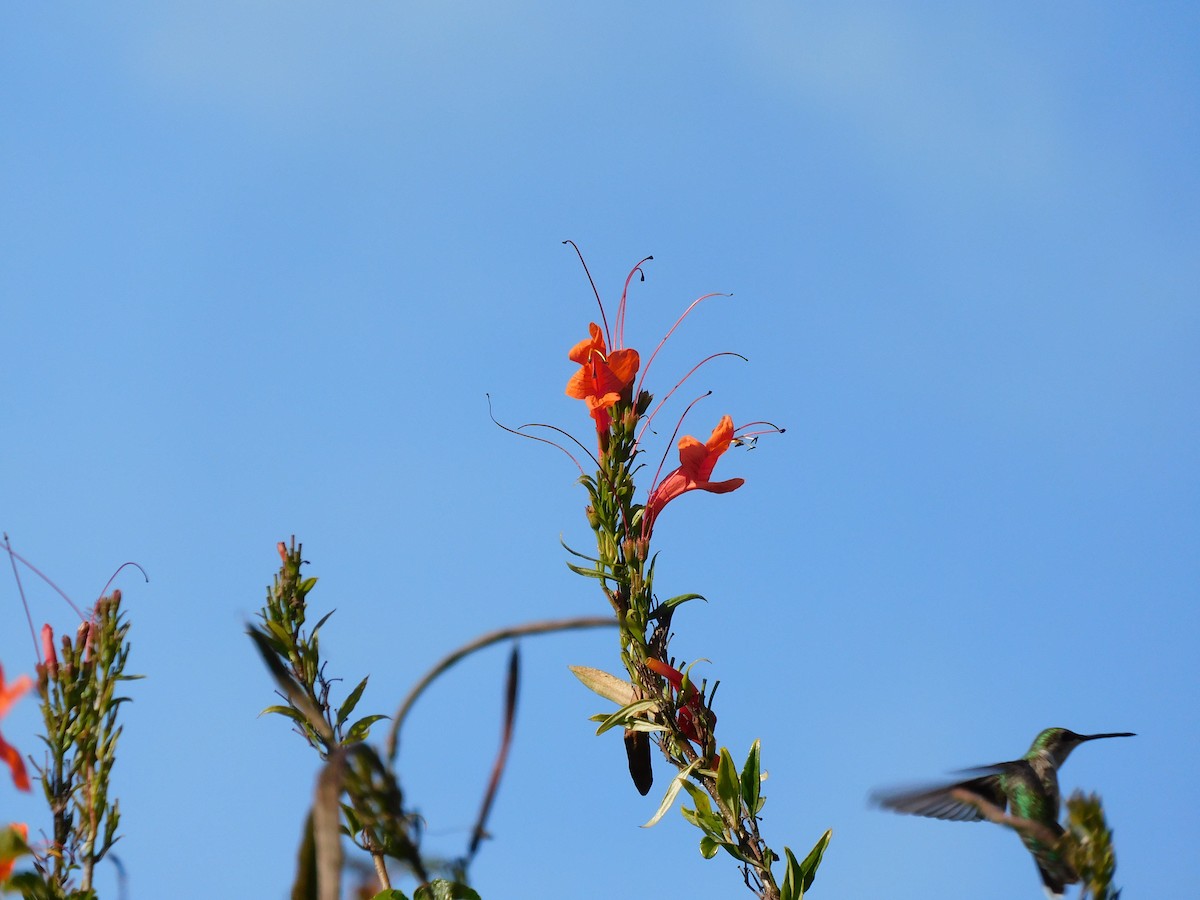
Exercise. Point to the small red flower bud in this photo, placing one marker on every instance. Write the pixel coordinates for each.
(51, 658)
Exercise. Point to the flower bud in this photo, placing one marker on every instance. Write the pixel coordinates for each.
(50, 657)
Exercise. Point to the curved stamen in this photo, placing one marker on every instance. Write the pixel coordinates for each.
(16, 557)
(667, 336)
(531, 437)
(670, 444)
(565, 434)
(647, 419)
(12, 558)
(771, 428)
(108, 583)
(603, 318)
(620, 321)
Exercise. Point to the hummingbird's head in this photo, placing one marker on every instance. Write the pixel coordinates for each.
(1059, 742)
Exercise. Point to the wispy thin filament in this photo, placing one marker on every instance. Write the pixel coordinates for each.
(691, 372)
(599, 302)
(667, 336)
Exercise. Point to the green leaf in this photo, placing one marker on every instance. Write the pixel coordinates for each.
(703, 816)
(392, 894)
(284, 711)
(440, 889)
(351, 702)
(625, 713)
(729, 789)
(709, 847)
(362, 728)
(283, 637)
(672, 791)
(590, 573)
(792, 879)
(590, 559)
(324, 619)
(808, 868)
(681, 599)
(752, 779)
(610, 687)
(353, 826)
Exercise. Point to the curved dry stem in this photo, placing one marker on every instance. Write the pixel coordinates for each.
(484, 640)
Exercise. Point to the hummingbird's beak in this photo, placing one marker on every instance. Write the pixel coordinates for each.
(1093, 737)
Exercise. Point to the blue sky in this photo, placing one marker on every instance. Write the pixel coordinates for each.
(262, 262)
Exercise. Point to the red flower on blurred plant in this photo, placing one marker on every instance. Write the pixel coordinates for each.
(8, 753)
(696, 462)
(603, 378)
(6, 865)
(694, 719)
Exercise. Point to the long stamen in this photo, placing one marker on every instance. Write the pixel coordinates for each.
(531, 437)
(25, 603)
(565, 434)
(667, 336)
(108, 583)
(670, 444)
(620, 321)
(15, 558)
(647, 420)
(750, 437)
(603, 318)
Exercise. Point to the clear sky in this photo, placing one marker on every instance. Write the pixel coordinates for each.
(262, 261)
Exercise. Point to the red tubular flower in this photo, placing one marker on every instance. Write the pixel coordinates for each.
(8, 753)
(603, 378)
(696, 462)
(694, 720)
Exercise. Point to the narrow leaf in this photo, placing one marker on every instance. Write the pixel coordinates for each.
(590, 559)
(808, 868)
(625, 713)
(587, 573)
(324, 619)
(362, 728)
(284, 711)
(751, 779)
(790, 889)
(672, 791)
(351, 701)
(728, 786)
(681, 599)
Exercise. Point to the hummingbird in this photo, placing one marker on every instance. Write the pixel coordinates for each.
(1028, 786)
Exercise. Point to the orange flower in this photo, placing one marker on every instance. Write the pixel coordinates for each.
(6, 865)
(696, 462)
(8, 753)
(603, 378)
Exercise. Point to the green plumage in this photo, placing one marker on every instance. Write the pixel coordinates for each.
(1027, 787)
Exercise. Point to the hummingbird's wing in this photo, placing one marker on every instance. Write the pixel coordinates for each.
(938, 802)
